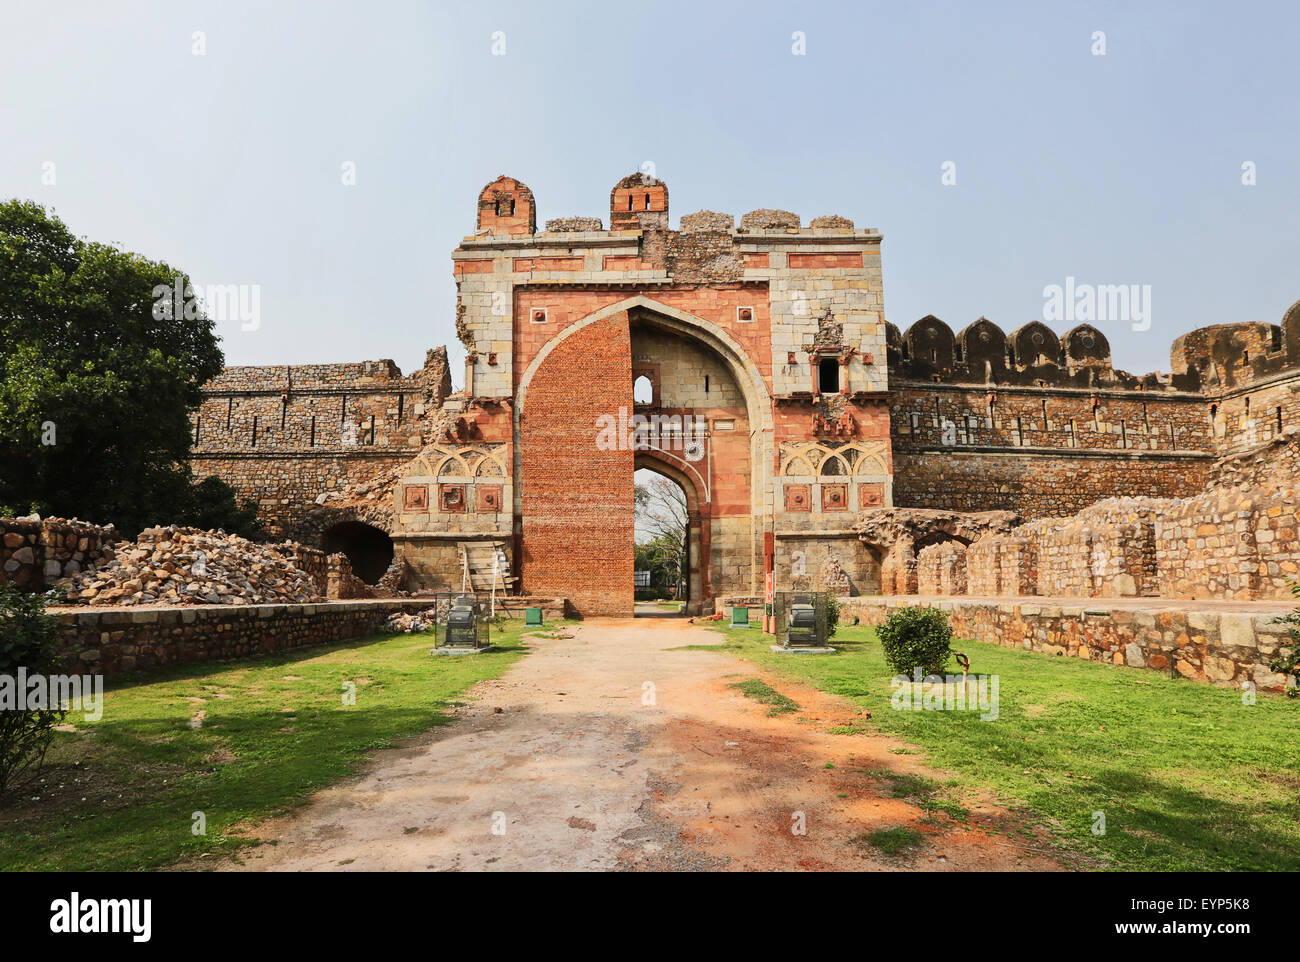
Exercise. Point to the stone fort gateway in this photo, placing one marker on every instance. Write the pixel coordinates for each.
(753, 364)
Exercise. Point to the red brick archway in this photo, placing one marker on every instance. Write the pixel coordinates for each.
(575, 513)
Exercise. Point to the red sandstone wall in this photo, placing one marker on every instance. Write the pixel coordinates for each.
(577, 499)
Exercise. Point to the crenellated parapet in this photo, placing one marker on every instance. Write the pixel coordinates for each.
(1209, 361)
(1033, 355)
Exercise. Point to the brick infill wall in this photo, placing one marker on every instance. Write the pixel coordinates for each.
(1225, 647)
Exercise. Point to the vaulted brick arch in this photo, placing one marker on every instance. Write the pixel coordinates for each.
(316, 520)
(747, 373)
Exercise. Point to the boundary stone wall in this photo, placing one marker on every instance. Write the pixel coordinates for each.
(111, 641)
(1223, 648)
(107, 642)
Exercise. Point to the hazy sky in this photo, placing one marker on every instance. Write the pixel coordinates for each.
(1117, 169)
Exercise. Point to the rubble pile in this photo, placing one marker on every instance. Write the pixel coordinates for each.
(189, 566)
(422, 621)
(396, 578)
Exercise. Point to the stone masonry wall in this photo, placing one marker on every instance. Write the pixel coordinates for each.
(107, 641)
(1107, 550)
(282, 435)
(36, 552)
(941, 569)
(1278, 457)
(984, 567)
(1237, 543)
(1044, 451)
(1037, 485)
(1018, 557)
(1226, 649)
(822, 557)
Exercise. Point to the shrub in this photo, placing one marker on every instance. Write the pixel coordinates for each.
(833, 609)
(1290, 664)
(27, 640)
(916, 638)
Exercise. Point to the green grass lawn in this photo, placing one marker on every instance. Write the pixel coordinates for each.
(1188, 777)
(238, 741)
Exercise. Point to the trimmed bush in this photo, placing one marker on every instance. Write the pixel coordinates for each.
(27, 640)
(833, 610)
(916, 638)
(1290, 664)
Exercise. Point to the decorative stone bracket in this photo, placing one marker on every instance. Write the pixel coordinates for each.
(460, 430)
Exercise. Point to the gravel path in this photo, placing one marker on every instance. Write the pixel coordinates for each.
(610, 749)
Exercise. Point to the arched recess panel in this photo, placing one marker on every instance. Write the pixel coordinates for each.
(576, 490)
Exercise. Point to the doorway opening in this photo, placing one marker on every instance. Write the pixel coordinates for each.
(369, 549)
(828, 375)
(662, 545)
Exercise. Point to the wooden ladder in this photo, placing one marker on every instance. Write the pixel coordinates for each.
(476, 561)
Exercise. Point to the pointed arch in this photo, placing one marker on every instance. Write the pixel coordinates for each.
(983, 342)
(1085, 344)
(929, 342)
(1035, 344)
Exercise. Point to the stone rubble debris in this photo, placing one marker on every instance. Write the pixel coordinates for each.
(421, 621)
(189, 566)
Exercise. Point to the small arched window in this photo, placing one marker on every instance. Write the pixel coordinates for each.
(643, 391)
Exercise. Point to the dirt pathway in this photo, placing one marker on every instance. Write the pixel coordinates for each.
(609, 749)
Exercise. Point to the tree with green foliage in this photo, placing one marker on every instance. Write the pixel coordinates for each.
(99, 376)
(661, 556)
(662, 522)
(27, 640)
